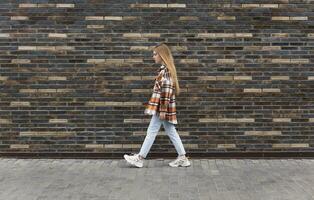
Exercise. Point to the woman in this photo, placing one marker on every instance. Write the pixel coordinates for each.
(163, 110)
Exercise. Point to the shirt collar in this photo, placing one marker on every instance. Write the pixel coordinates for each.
(162, 67)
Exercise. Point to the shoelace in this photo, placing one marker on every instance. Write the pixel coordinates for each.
(179, 160)
(136, 156)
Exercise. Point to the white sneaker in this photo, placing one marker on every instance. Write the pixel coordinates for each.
(134, 160)
(181, 161)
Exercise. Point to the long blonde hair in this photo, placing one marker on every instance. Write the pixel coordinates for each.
(166, 56)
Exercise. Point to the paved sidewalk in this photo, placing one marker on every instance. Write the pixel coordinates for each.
(218, 179)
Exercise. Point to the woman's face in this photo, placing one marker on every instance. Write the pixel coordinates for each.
(157, 57)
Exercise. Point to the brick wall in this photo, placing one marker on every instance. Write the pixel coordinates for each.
(74, 75)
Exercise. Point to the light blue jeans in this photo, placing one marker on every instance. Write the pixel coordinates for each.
(152, 132)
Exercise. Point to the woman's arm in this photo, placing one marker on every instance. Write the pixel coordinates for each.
(165, 95)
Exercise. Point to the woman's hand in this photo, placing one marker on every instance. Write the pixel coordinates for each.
(162, 115)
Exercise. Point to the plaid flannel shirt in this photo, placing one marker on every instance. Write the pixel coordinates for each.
(163, 97)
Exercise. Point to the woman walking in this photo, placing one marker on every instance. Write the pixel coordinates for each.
(162, 107)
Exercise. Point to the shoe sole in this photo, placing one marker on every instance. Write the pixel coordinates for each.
(131, 162)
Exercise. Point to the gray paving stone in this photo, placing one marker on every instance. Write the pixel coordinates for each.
(206, 179)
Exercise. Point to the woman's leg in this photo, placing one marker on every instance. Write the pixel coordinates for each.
(152, 132)
(174, 137)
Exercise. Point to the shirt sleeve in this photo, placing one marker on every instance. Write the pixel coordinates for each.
(165, 95)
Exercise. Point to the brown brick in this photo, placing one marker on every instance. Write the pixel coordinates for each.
(300, 18)
(57, 78)
(95, 61)
(5, 121)
(58, 121)
(133, 121)
(280, 60)
(95, 26)
(28, 90)
(19, 146)
(132, 78)
(155, 5)
(207, 78)
(151, 35)
(131, 146)
(189, 61)
(226, 61)
(3, 78)
(114, 18)
(252, 48)
(271, 48)
(19, 18)
(113, 146)
(280, 18)
(130, 18)
(310, 35)
(269, 5)
(235, 120)
(252, 90)
(206, 120)
(4, 35)
(281, 145)
(226, 146)
(250, 5)
(139, 5)
(179, 48)
(206, 35)
(133, 60)
(114, 61)
(245, 120)
(65, 5)
(176, 5)
(244, 35)
(262, 133)
(65, 48)
(191, 146)
(300, 145)
(47, 90)
(46, 5)
(46, 48)
(271, 90)
(95, 103)
(132, 35)
(224, 78)
(280, 35)
(27, 48)
(299, 60)
(226, 18)
(94, 146)
(279, 77)
(137, 48)
(225, 35)
(242, 78)
(27, 5)
(57, 35)
(281, 120)
(188, 18)
(141, 90)
(19, 103)
(130, 103)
